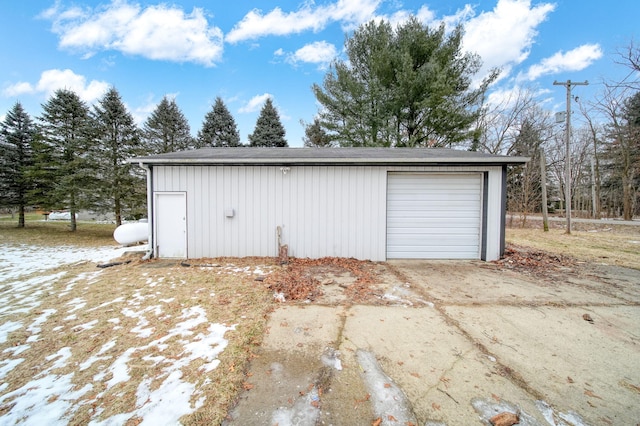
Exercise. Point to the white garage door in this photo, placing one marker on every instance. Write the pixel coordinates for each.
(434, 216)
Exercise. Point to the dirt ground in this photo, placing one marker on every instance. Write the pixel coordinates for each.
(548, 338)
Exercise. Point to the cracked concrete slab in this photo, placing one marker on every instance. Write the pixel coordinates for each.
(475, 341)
(581, 366)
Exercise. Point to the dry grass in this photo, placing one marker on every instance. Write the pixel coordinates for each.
(50, 233)
(227, 298)
(158, 291)
(602, 243)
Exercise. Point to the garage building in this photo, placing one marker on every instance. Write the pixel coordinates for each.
(365, 203)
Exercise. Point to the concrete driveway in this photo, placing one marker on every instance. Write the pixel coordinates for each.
(456, 343)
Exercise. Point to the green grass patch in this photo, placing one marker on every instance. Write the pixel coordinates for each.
(54, 233)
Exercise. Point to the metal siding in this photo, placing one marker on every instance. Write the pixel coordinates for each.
(324, 210)
(434, 215)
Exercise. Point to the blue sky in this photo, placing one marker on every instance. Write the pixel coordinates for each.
(244, 52)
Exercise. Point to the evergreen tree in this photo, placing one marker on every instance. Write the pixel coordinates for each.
(167, 129)
(315, 135)
(269, 130)
(219, 128)
(121, 188)
(42, 172)
(16, 157)
(409, 86)
(524, 192)
(66, 128)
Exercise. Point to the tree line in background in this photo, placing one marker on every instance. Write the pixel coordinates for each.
(73, 157)
(413, 86)
(408, 86)
(604, 148)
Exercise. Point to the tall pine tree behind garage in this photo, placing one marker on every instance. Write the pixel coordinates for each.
(219, 128)
(269, 130)
(167, 129)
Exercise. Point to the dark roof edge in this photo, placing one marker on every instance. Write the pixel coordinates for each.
(488, 161)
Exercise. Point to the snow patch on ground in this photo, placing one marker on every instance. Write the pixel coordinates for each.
(52, 398)
(387, 398)
(21, 260)
(305, 411)
(8, 327)
(489, 408)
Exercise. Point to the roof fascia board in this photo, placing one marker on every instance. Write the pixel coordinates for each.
(329, 161)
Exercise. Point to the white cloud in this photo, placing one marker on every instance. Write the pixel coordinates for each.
(574, 60)
(159, 32)
(504, 36)
(255, 24)
(255, 103)
(142, 112)
(18, 89)
(54, 79)
(319, 52)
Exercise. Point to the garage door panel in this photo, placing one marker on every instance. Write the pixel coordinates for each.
(434, 215)
(439, 204)
(400, 234)
(444, 214)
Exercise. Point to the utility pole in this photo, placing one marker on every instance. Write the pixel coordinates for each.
(543, 181)
(567, 161)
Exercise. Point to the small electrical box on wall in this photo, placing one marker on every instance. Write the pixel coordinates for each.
(229, 212)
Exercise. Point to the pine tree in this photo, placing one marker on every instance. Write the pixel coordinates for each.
(167, 129)
(269, 130)
(315, 135)
(118, 139)
(16, 157)
(219, 128)
(66, 129)
(406, 86)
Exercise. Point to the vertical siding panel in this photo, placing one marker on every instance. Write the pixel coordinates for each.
(194, 212)
(238, 194)
(279, 199)
(317, 242)
(368, 212)
(295, 209)
(494, 213)
(381, 247)
(342, 193)
(264, 208)
(284, 183)
(226, 199)
(207, 230)
(218, 236)
(310, 235)
(354, 203)
(330, 211)
(272, 200)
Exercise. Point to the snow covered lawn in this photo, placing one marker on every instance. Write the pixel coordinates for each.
(143, 343)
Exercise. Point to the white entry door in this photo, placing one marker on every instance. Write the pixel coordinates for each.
(171, 224)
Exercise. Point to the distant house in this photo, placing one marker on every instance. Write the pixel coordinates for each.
(365, 203)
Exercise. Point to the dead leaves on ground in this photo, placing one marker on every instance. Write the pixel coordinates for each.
(535, 262)
(296, 280)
